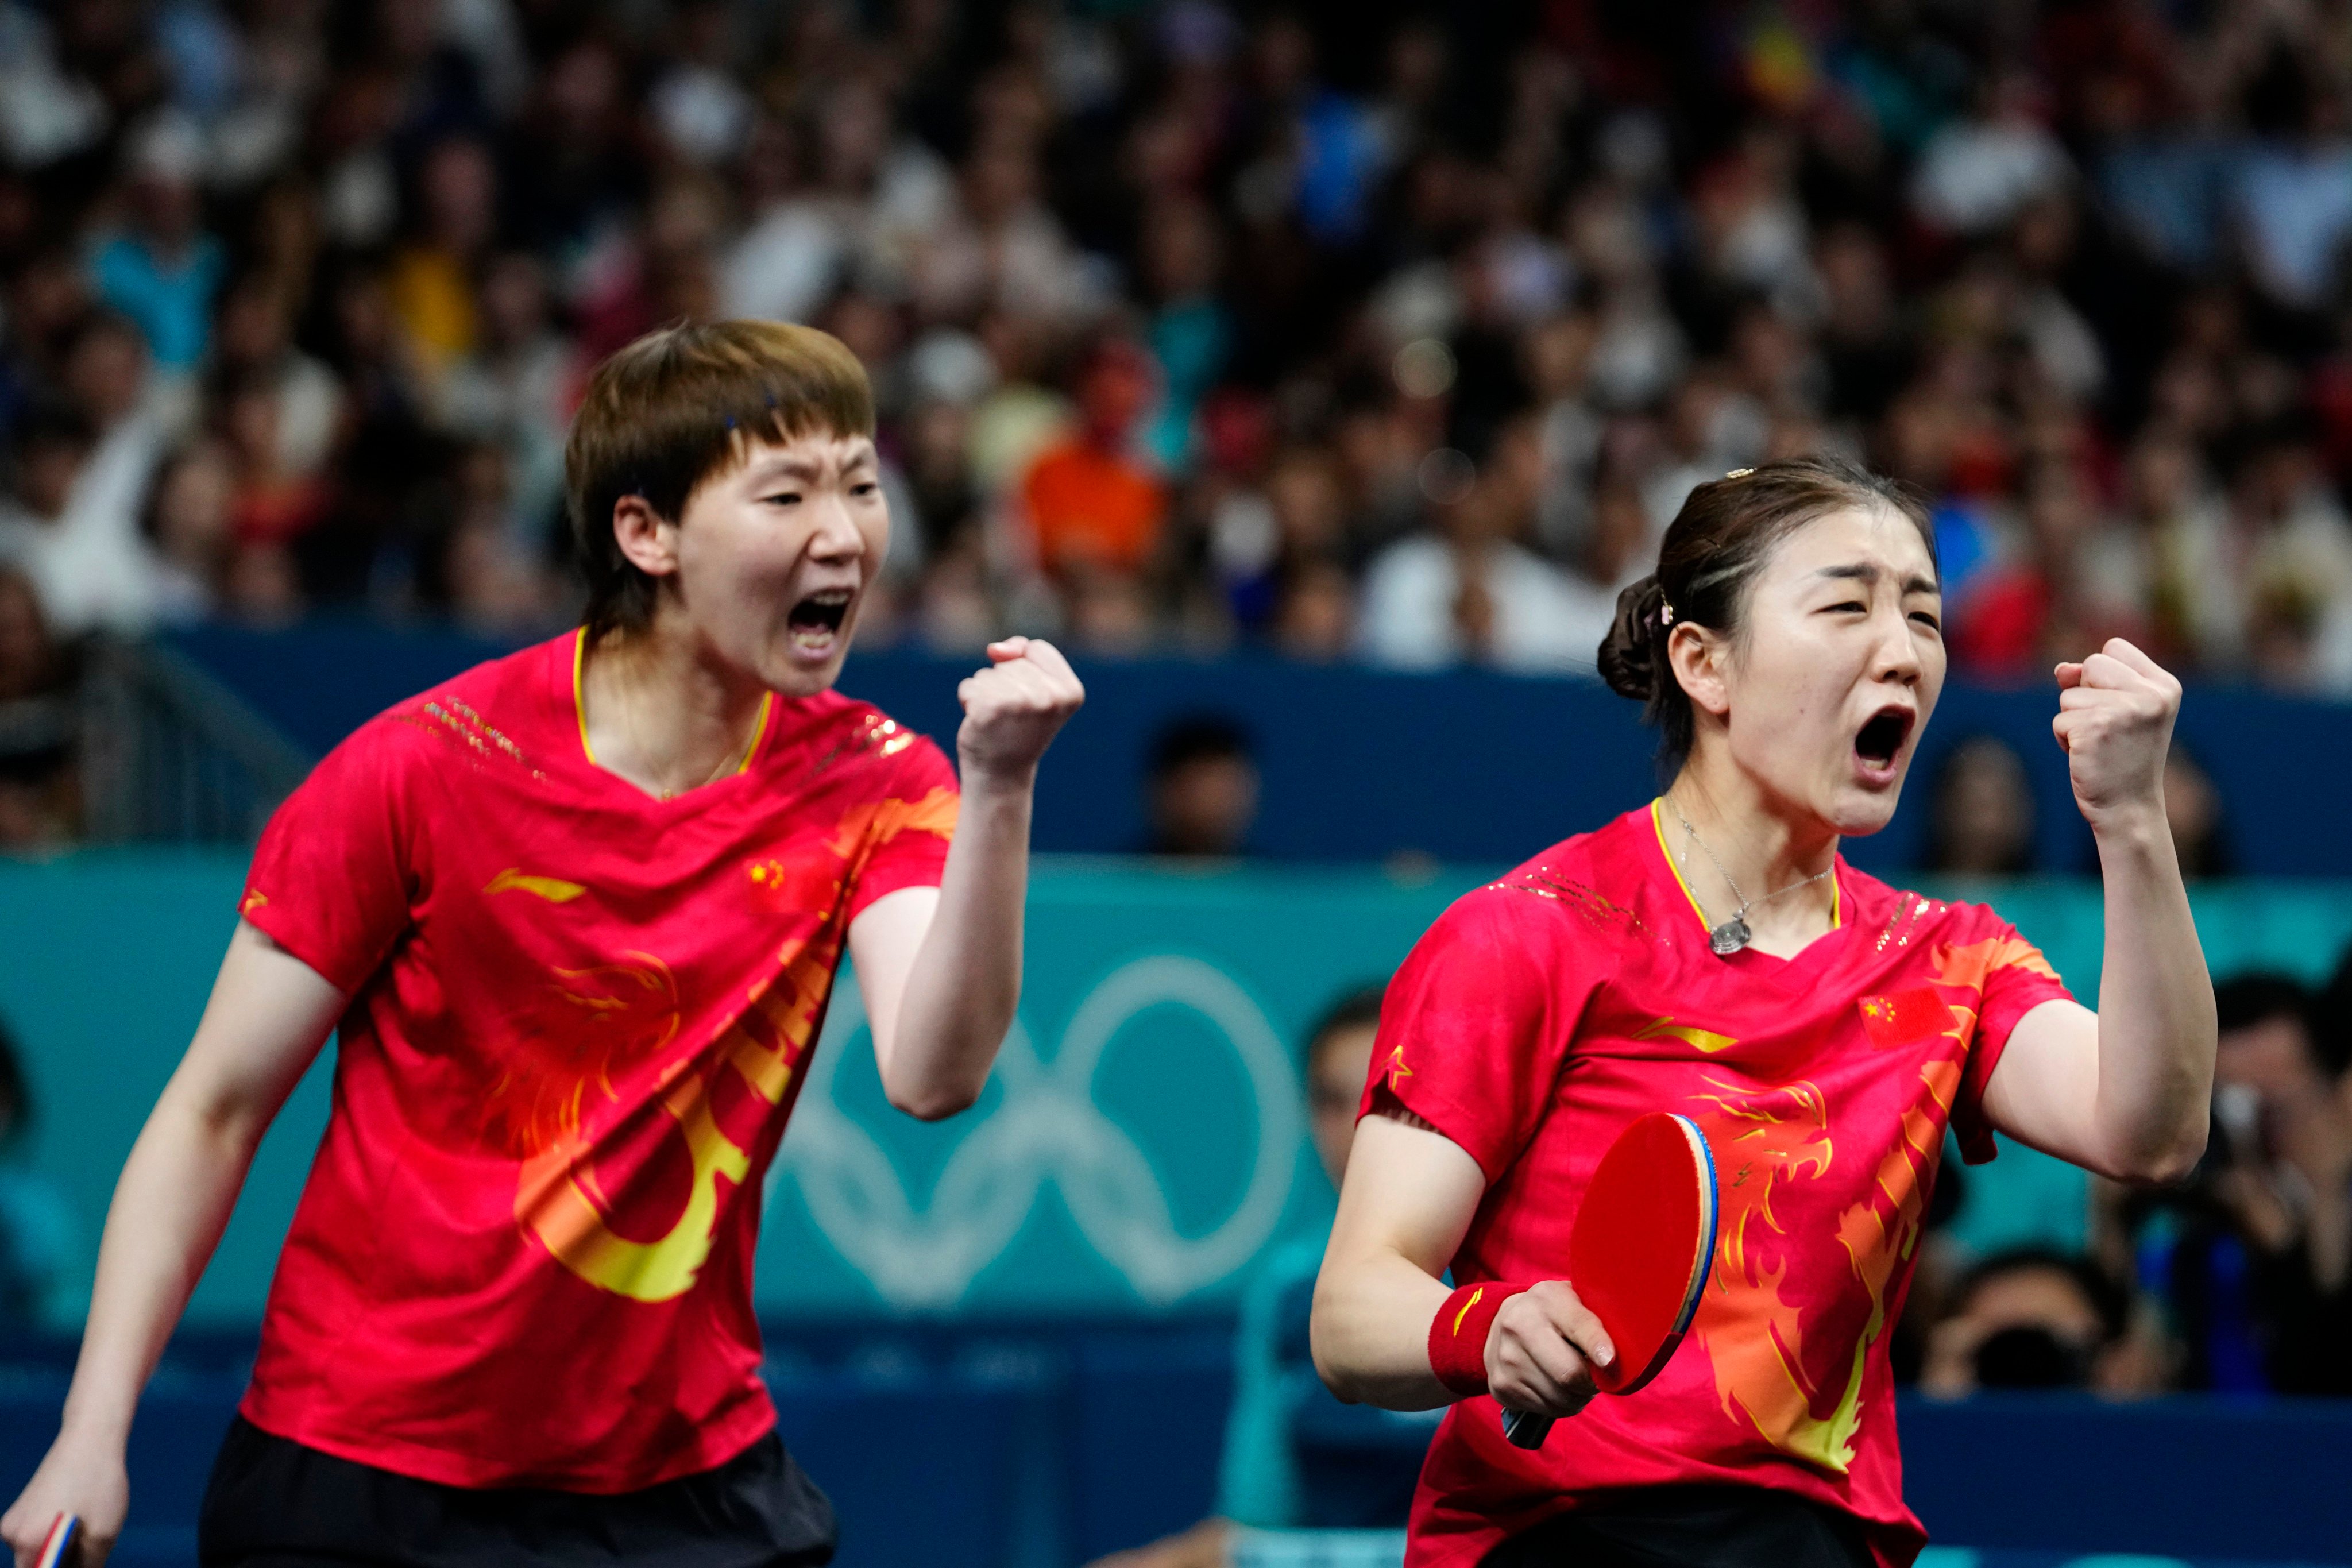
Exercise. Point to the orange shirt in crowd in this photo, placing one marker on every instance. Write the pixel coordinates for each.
(1093, 507)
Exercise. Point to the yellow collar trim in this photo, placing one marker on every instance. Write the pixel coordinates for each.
(579, 709)
(580, 696)
(1658, 821)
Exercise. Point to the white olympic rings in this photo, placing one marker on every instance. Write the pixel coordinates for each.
(1047, 1127)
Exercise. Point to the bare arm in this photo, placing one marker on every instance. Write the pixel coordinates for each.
(1410, 1194)
(2124, 1091)
(269, 1015)
(941, 968)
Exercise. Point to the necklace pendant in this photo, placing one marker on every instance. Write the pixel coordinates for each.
(1729, 937)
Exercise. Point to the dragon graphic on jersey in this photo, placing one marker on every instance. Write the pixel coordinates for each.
(1791, 1370)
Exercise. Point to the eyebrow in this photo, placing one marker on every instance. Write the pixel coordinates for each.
(1862, 571)
(804, 470)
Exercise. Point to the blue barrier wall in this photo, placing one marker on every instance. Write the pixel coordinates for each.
(1044, 1448)
(1165, 1003)
(1465, 766)
(1042, 1359)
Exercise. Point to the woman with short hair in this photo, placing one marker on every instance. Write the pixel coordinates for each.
(575, 916)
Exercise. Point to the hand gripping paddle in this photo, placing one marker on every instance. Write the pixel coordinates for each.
(57, 1547)
(1639, 1252)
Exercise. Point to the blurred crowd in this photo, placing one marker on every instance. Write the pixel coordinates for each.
(1378, 331)
(2236, 1280)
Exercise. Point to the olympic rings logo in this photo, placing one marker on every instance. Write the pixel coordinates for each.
(1047, 1127)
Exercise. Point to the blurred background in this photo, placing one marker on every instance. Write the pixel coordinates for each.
(1317, 375)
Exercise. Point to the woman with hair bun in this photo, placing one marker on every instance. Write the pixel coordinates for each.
(1709, 953)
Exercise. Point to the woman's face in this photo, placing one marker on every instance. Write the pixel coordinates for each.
(775, 555)
(1822, 697)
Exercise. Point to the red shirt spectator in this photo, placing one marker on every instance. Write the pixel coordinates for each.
(1088, 502)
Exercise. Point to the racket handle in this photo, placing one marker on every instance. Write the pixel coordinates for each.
(1524, 1428)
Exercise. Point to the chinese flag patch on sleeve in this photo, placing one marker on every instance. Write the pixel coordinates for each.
(1904, 1016)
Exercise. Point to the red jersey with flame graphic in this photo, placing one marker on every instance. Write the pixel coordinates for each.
(579, 1019)
(1543, 1013)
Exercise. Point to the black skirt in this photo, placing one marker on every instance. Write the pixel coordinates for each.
(275, 1503)
(1693, 1527)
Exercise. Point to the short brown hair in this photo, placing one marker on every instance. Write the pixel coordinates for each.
(676, 407)
(1713, 552)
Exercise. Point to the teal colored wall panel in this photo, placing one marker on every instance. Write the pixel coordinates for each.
(1140, 1144)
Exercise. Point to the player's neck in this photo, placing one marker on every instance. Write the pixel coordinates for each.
(661, 711)
(1752, 841)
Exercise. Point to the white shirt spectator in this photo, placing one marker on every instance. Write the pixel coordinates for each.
(1976, 173)
(2296, 205)
(88, 564)
(785, 266)
(1407, 619)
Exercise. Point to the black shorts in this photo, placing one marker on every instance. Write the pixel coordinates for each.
(274, 1503)
(1693, 1527)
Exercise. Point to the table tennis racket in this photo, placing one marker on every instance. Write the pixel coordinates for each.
(1639, 1252)
(57, 1546)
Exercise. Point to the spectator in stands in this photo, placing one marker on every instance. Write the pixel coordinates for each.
(162, 268)
(2252, 1258)
(2192, 809)
(88, 565)
(516, 388)
(1091, 505)
(36, 1228)
(1295, 1457)
(52, 446)
(1639, 261)
(37, 723)
(2034, 1319)
(190, 526)
(2287, 1177)
(1466, 590)
(254, 346)
(1204, 790)
(1981, 815)
(271, 503)
(432, 278)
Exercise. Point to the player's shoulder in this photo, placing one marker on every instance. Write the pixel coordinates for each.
(1592, 886)
(831, 730)
(1906, 918)
(509, 714)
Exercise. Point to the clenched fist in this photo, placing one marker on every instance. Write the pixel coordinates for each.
(2114, 722)
(1013, 709)
(1541, 1350)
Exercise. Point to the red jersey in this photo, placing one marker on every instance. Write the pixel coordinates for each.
(1544, 1012)
(578, 1021)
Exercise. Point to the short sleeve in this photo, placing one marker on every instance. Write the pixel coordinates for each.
(333, 878)
(1475, 1026)
(2017, 980)
(912, 825)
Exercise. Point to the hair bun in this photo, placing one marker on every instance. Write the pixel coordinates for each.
(1629, 654)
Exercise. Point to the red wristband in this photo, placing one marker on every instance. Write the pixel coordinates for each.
(1457, 1335)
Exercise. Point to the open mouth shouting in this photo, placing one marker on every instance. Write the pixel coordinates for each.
(1878, 745)
(816, 620)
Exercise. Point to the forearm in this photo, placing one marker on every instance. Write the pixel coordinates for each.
(966, 979)
(168, 1212)
(1371, 1331)
(2156, 1010)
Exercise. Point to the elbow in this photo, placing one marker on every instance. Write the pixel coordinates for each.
(2162, 1162)
(934, 1102)
(1321, 1346)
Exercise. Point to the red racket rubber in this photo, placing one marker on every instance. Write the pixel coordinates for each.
(1639, 1253)
(64, 1530)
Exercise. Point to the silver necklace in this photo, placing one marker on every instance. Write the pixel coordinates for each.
(1733, 934)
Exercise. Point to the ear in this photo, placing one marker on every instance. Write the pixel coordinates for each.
(649, 541)
(1699, 659)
